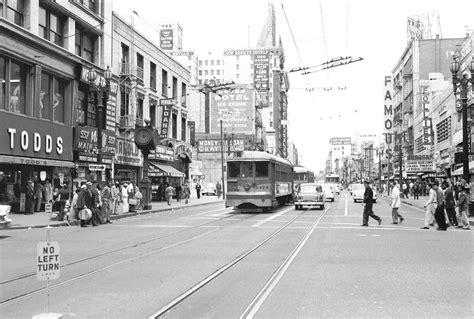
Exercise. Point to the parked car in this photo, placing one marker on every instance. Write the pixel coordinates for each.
(358, 191)
(309, 194)
(209, 190)
(5, 220)
(329, 193)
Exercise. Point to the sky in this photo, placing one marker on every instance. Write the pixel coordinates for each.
(374, 30)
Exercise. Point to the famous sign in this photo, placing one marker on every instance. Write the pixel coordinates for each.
(236, 110)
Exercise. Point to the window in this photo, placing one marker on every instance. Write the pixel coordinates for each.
(237, 76)
(153, 76)
(218, 62)
(125, 69)
(200, 62)
(218, 72)
(51, 26)
(85, 44)
(174, 121)
(183, 94)
(200, 82)
(212, 62)
(16, 77)
(139, 108)
(237, 66)
(261, 169)
(206, 72)
(164, 83)
(212, 72)
(45, 97)
(200, 72)
(246, 169)
(271, 124)
(206, 62)
(124, 100)
(3, 83)
(443, 129)
(183, 129)
(81, 106)
(16, 11)
(140, 65)
(233, 169)
(89, 4)
(175, 88)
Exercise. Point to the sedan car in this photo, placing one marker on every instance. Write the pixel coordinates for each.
(5, 221)
(209, 190)
(358, 193)
(329, 193)
(309, 194)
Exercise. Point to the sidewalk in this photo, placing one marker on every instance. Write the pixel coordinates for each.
(41, 219)
(419, 203)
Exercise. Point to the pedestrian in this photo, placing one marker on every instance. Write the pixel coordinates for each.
(178, 190)
(368, 203)
(412, 188)
(463, 207)
(97, 209)
(396, 204)
(169, 194)
(198, 190)
(106, 196)
(74, 200)
(39, 189)
(115, 200)
(218, 190)
(87, 200)
(132, 201)
(439, 211)
(416, 190)
(125, 206)
(58, 204)
(48, 192)
(450, 203)
(430, 207)
(139, 198)
(30, 198)
(186, 192)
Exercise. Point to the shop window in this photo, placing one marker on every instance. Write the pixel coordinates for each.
(16, 11)
(51, 101)
(51, 26)
(85, 44)
(233, 169)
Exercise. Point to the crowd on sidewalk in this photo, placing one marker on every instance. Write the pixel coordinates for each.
(447, 204)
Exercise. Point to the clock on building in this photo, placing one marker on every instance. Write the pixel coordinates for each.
(143, 137)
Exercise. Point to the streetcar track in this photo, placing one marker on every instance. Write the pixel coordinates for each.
(186, 294)
(135, 245)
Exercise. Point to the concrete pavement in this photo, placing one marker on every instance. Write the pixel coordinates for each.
(42, 219)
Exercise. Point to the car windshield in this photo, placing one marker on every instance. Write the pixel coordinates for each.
(310, 188)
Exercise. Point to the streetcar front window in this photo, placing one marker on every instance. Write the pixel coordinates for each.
(233, 169)
(261, 169)
(246, 169)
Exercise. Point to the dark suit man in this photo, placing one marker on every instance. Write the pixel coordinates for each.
(368, 202)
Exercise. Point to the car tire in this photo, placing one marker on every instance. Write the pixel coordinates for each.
(322, 207)
(355, 201)
(375, 201)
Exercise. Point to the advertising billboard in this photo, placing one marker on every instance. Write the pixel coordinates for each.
(236, 110)
(166, 39)
(261, 77)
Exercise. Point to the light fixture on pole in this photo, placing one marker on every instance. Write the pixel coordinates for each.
(100, 87)
(460, 85)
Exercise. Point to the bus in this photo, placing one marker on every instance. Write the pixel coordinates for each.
(258, 181)
(332, 179)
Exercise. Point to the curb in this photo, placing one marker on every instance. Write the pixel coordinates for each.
(115, 217)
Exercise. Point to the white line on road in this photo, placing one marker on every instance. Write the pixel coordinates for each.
(273, 281)
(272, 217)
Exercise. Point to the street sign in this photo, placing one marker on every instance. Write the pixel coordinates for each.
(97, 167)
(47, 260)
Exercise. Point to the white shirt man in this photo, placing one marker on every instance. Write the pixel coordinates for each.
(396, 204)
(430, 208)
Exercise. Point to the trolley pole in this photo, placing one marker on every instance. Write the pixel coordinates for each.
(222, 161)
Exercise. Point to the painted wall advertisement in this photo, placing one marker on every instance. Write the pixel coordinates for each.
(166, 39)
(236, 110)
(261, 71)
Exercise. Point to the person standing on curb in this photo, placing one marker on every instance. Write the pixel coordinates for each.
(430, 207)
(463, 207)
(169, 194)
(106, 196)
(198, 190)
(186, 192)
(396, 204)
(218, 190)
(368, 203)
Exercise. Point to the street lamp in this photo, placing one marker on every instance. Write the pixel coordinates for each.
(463, 83)
(100, 88)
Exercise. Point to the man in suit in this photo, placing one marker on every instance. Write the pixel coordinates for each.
(368, 203)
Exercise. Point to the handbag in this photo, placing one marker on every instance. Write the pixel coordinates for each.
(132, 201)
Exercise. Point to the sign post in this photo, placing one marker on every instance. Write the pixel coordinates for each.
(47, 262)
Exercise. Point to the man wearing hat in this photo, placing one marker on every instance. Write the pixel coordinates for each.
(368, 203)
(439, 211)
(463, 207)
(430, 207)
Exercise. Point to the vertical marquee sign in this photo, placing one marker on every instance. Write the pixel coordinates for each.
(388, 118)
(167, 105)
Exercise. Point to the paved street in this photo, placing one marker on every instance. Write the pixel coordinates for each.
(208, 261)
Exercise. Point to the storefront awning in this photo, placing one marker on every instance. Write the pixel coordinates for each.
(459, 171)
(156, 170)
(34, 161)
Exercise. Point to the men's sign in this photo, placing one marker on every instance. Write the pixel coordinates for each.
(48, 266)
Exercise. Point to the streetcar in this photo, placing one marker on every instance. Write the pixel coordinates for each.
(302, 175)
(258, 181)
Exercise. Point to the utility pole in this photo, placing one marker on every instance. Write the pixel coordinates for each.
(222, 162)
